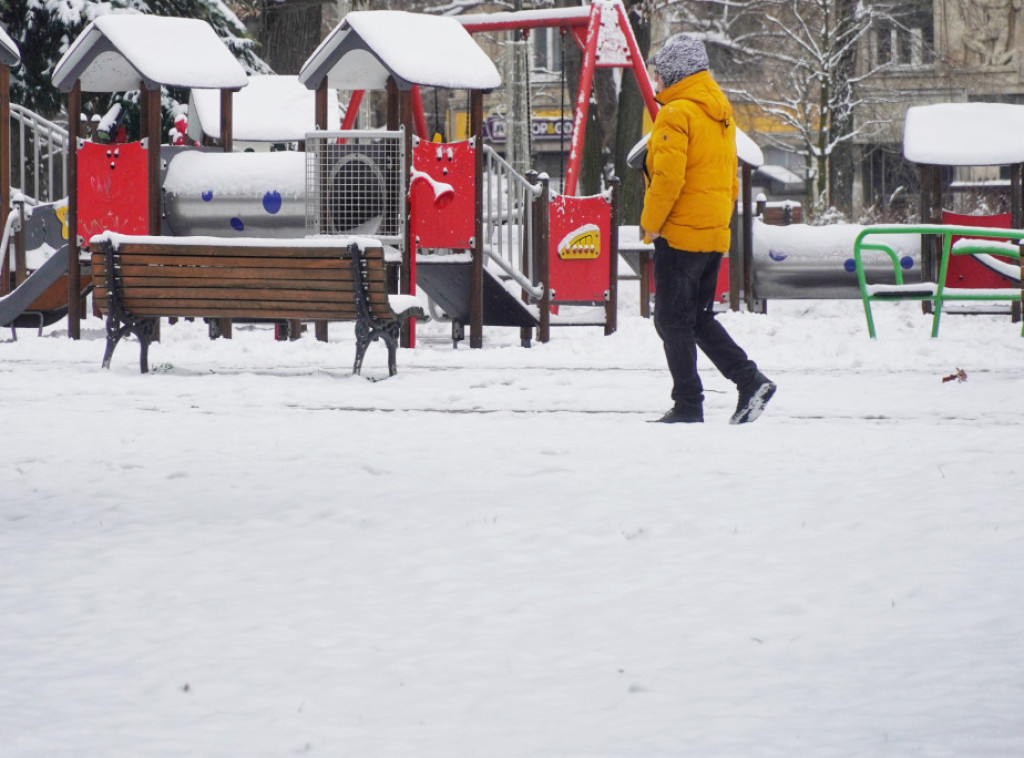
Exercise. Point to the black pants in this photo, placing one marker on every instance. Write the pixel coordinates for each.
(684, 316)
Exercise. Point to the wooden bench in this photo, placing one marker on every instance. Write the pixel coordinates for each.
(138, 280)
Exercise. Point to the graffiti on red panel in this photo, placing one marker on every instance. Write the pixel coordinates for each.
(113, 189)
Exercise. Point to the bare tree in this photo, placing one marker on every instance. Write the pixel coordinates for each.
(799, 62)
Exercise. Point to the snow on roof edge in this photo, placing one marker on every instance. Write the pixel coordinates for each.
(417, 48)
(9, 53)
(964, 134)
(116, 47)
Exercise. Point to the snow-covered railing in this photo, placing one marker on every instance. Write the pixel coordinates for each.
(510, 222)
(39, 154)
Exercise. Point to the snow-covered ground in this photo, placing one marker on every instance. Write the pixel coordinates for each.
(250, 552)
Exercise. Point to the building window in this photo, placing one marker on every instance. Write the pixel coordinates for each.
(547, 53)
(906, 41)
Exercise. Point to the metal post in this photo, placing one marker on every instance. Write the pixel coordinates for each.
(638, 63)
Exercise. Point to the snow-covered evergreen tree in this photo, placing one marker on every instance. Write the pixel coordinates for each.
(43, 30)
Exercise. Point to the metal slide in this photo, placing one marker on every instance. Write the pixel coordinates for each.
(18, 301)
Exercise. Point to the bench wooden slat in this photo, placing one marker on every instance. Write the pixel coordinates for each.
(240, 251)
(219, 309)
(256, 300)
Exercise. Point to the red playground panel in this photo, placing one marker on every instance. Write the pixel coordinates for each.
(441, 197)
(113, 191)
(963, 270)
(580, 235)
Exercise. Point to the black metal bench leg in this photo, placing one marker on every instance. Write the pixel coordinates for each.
(391, 335)
(144, 330)
(115, 331)
(363, 340)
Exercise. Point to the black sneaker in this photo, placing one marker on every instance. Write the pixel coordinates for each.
(676, 416)
(753, 399)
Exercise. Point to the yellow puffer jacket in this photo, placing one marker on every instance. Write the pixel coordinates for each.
(691, 166)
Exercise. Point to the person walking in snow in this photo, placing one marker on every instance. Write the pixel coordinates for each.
(692, 185)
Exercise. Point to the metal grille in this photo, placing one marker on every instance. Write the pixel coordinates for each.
(355, 184)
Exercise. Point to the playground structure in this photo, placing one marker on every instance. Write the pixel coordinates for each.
(490, 247)
(425, 197)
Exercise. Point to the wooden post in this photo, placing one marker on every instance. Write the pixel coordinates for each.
(476, 279)
(320, 105)
(543, 232)
(151, 131)
(393, 117)
(5, 144)
(227, 119)
(408, 270)
(645, 283)
(743, 269)
(931, 213)
(227, 143)
(320, 118)
(611, 305)
(74, 274)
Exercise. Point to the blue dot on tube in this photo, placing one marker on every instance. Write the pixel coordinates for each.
(207, 196)
(907, 262)
(272, 202)
(850, 265)
(237, 225)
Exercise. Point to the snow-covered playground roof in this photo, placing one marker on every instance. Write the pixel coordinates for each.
(747, 150)
(964, 134)
(416, 49)
(9, 54)
(271, 109)
(117, 52)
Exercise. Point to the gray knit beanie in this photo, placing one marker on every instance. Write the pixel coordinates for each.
(680, 56)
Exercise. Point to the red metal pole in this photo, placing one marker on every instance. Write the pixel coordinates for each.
(579, 125)
(352, 110)
(521, 21)
(639, 64)
(418, 115)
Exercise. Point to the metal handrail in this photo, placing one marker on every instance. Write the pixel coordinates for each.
(41, 153)
(981, 240)
(508, 222)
